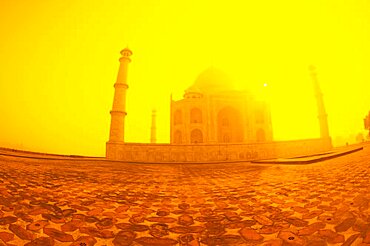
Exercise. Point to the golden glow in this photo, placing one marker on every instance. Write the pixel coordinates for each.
(59, 61)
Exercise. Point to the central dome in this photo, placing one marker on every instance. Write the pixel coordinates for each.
(212, 80)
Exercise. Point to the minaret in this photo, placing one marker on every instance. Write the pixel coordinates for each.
(323, 117)
(153, 135)
(118, 112)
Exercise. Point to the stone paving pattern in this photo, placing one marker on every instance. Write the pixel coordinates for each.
(96, 202)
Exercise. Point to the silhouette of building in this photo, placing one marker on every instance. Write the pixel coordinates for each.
(212, 123)
(212, 111)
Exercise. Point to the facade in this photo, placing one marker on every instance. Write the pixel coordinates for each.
(212, 123)
(212, 111)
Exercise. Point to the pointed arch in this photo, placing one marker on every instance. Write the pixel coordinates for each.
(229, 125)
(195, 115)
(177, 138)
(261, 136)
(196, 136)
(177, 117)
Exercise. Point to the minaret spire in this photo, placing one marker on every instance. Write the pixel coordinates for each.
(322, 115)
(153, 135)
(118, 112)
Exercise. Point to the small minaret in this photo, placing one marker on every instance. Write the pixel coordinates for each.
(322, 116)
(153, 135)
(118, 112)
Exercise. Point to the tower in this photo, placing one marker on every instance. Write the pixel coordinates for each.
(153, 135)
(118, 112)
(322, 116)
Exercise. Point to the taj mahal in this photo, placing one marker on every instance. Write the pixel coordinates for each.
(213, 112)
(213, 122)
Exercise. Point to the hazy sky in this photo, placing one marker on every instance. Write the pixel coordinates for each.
(59, 61)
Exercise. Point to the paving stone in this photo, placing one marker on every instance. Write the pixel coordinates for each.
(72, 225)
(300, 210)
(54, 218)
(81, 217)
(329, 219)
(81, 208)
(273, 242)
(84, 241)
(124, 238)
(105, 223)
(137, 218)
(315, 240)
(311, 229)
(185, 220)
(91, 219)
(350, 240)
(188, 240)
(159, 230)
(8, 220)
(367, 237)
(41, 241)
(312, 204)
(240, 224)
(68, 212)
(151, 241)
(162, 212)
(222, 240)
(250, 235)
(21, 232)
(296, 222)
(95, 212)
(269, 229)
(161, 219)
(96, 233)
(345, 225)
(122, 208)
(327, 208)
(183, 206)
(312, 214)
(290, 238)
(6, 236)
(58, 235)
(37, 225)
(232, 216)
(186, 229)
(207, 211)
(212, 218)
(331, 236)
(215, 228)
(263, 220)
(132, 227)
(361, 226)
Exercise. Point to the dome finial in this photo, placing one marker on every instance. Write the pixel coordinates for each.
(126, 52)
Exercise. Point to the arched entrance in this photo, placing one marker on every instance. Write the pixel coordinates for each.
(177, 139)
(196, 136)
(195, 115)
(261, 135)
(177, 118)
(229, 126)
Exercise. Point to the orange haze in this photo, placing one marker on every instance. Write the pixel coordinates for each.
(59, 61)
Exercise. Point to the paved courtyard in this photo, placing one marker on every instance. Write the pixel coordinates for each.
(96, 202)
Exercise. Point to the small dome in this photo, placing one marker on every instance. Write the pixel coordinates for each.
(193, 89)
(212, 80)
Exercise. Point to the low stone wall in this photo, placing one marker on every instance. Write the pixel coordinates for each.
(197, 153)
